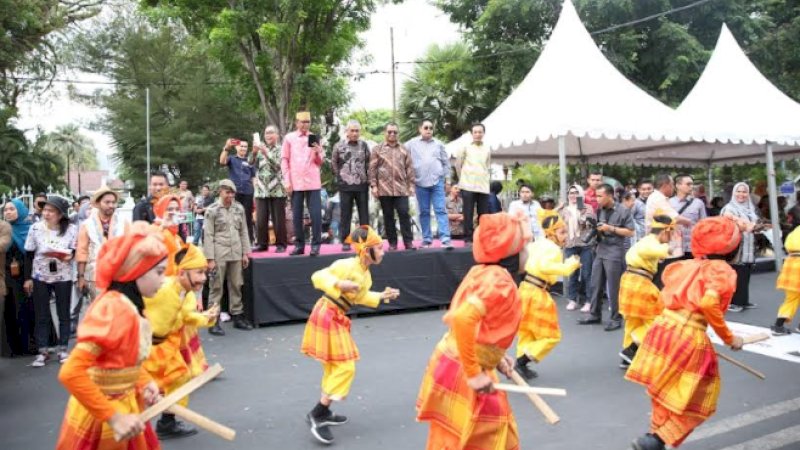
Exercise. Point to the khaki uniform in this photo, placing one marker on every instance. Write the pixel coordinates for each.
(226, 242)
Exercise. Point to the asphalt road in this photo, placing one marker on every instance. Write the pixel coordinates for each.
(268, 387)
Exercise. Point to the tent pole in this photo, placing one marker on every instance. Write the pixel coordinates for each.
(773, 209)
(710, 195)
(562, 168)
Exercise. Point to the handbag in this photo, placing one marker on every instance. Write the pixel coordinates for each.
(14, 268)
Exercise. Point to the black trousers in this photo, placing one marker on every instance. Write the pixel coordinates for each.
(347, 198)
(274, 207)
(247, 201)
(742, 295)
(471, 200)
(389, 205)
(41, 305)
(314, 203)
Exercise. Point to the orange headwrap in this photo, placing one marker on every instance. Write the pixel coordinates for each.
(128, 257)
(160, 209)
(715, 236)
(194, 259)
(550, 221)
(498, 236)
(362, 238)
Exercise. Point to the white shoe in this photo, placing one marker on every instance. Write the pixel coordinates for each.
(62, 356)
(586, 307)
(224, 317)
(572, 305)
(40, 360)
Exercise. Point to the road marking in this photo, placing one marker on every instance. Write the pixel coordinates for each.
(742, 420)
(779, 439)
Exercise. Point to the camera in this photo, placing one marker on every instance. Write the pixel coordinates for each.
(53, 266)
(593, 224)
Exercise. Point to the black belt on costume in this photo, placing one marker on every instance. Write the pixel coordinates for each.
(536, 281)
(340, 302)
(794, 253)
(640, 272)
(158, 339)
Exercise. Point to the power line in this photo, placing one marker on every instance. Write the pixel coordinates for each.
(651, 17)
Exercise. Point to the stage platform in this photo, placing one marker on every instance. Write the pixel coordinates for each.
(279, 286)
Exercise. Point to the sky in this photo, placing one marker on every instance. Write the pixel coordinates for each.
(417, 25)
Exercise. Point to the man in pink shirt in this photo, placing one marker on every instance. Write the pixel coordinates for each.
(300, 164)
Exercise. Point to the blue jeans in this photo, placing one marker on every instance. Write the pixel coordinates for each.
(198, 230)
(425, 196)
(582, 275)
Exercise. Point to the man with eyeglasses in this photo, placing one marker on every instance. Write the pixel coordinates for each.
(689, 208)
(431, 172)
(270, 193)
(350, 164)
(391, 177)
(300, 165)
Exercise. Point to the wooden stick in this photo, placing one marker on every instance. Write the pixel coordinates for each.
(203, 422)
(549, 415)
(752, 339)
(173, 398)
(742, 365)
(530, 389)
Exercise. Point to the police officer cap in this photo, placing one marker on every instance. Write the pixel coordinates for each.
(227, 184)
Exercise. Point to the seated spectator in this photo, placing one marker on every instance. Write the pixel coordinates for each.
(495, 188)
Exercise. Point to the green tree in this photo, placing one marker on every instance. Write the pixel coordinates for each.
(287, 51)
(24, 165)
(372, 122)
(446, 88)
(78, 150)
(195, 105)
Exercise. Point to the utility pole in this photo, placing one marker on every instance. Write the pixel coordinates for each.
(147, 102)
(394, 95)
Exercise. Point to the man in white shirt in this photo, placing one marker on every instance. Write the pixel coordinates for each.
(659, 201)
(530, 207)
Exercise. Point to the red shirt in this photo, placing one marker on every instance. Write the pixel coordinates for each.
(590, 198)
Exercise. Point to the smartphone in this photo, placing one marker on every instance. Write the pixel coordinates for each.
(53, 266)
(313, 139)
(581, 205)
(236, 141)
(256, 139)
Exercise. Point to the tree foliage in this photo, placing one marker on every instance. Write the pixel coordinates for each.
(288, 51)
(446, 88)
(70, 143)
(194, 104)
(23, 164)
(372, 122)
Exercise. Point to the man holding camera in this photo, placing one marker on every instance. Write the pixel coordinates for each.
(242, 173)
(301, 159)
(614, 224)
(226, 246)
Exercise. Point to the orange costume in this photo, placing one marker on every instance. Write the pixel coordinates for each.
(677, 362)
(484, 316)
(104, 373)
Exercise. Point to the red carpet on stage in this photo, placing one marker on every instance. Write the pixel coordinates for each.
(336, 249)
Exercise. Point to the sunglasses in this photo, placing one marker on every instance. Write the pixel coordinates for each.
(40, 204)
(427, 128)
(573, 193)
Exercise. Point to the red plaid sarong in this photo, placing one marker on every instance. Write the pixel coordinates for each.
(327, 335)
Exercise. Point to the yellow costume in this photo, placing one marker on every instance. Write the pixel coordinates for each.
(639, 301)
(789, 279)
(191, 347)
(327, 335)
(539, 331)
(165, 363)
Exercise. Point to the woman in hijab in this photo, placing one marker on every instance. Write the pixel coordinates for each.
(17, 322)
(742, 210)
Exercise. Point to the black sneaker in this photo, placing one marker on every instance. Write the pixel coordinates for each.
(524, 371)
(280, 249)
(320, 432)
(241, 323)
(780, 330)
(173, 429)
(627, 354)
(216, 330)
(333, 420)
(647, 442)
(624, 365)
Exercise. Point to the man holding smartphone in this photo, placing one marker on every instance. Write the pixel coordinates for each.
(301, 159)
(242, 173)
